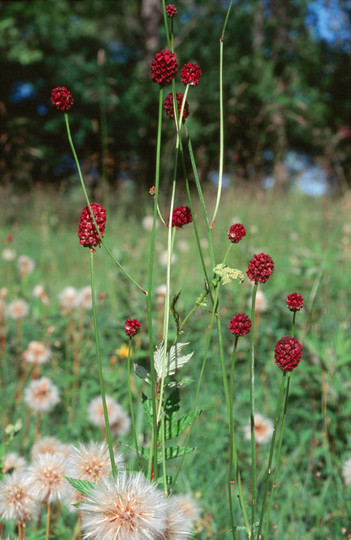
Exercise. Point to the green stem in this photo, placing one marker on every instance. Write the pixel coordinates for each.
(166, 24)
(233, 456)
(164, 469)
(197, 236)
(101, 378)
(152, 468)
(252, 408)
(213, 314)
(271, 453)
(131, 403)
(278, 454)
(221, 120)
(92, 213)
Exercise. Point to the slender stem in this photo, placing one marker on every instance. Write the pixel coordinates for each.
(20, 530)
(270, 458)
(152, 467)
(171, 233)
(101, 378)
(221, 121)
(229, 406)
(278, 453)
(48, 521)
(221, 134)
(252, 408)
(233, 456)
(213, 314)
(197, 236)
(166, 24)
(92, 213)
(131, 402)
(164, 469)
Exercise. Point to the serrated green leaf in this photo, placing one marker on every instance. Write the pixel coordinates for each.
(168, 363)
(83, 486)
(172, 404)
(176, 428)
(141, 372)
(172, 452)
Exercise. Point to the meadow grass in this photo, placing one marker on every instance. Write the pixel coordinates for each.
(310, 243)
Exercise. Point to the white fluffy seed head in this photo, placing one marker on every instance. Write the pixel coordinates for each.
(189, 506)
(36, 353)
(263, 429)
(18, 309)
(178, 523)
(68, 299)
(92, 462)
(118, 419)
(13, 461)
(125, 508)
(49, 445)
(25, 265)
(16, 500)
(47, 478)
(41, 395)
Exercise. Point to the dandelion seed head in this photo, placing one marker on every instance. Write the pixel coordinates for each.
(8, 254)
(49, 445)
(263, 429)
(13, 461)
(189, 506)
(47, 477)
(16, 500)
(68, 299)
(25, 265)
(92, 462)
(116, 414)
(36, 353)
(178, 523)
(41, 395)
(85, 298)
(127, 507)
(18, 309)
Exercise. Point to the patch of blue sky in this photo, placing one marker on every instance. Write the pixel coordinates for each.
(22, 90)
(329, 22)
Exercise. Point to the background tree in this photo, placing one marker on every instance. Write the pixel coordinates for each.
(285, 86)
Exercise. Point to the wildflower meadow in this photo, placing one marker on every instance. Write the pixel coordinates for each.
(175, 362)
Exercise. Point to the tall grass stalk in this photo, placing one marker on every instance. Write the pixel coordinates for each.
(101, 377)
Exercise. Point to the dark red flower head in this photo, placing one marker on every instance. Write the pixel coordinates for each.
(181, 216)
(236, 233)
(169, 108)
(87, 233)
(260, 268)
(294, 301)
(171, 11)
(190, 74)
(61, 98)
(164, 67)
(240, 324)
(131, 327)
(287, 353)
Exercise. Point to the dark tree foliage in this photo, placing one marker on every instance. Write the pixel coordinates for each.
(284, 86)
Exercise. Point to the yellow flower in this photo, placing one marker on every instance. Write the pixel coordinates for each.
(122, 352)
